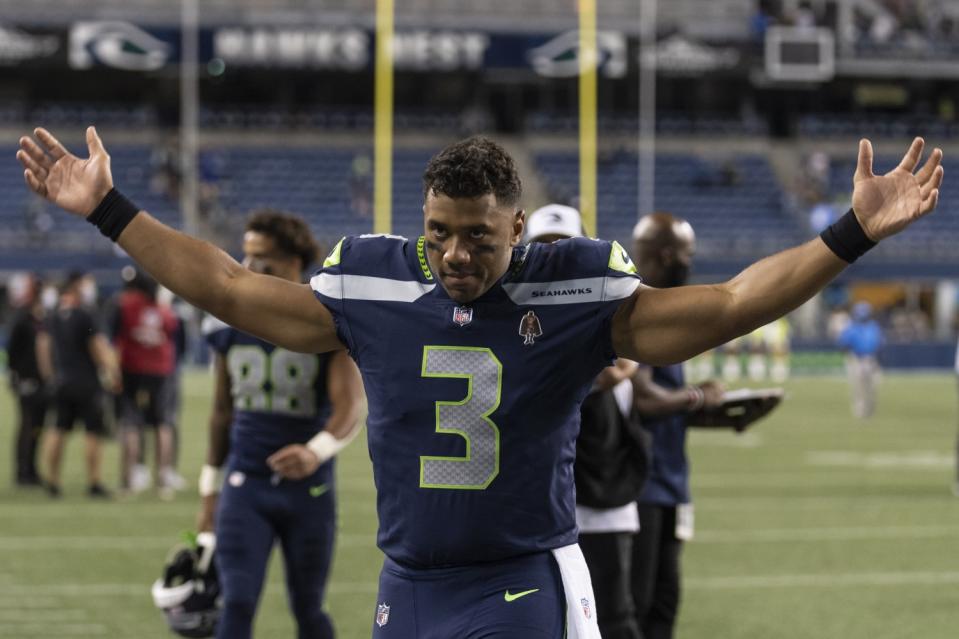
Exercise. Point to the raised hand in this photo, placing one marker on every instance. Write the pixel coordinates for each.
(886, 204)
(54, 173)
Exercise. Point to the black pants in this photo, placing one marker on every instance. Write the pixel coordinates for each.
(609, 556)
(33, 411)
(656, 573)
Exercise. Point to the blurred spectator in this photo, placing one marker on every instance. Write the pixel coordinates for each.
(861, 340)
(25, 380)
(361, 185)
(170, 401)
(805, 16)
(143, 333)
(723, 174)
(769, 351)
(165, 169)
(767, 14)
(37, 220)
(73, 354)
(908, 325)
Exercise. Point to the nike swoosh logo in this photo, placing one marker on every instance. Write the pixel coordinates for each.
(316, 491)
(508, 597)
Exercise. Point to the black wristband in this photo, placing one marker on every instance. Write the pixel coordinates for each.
(112, 214)
(846, 238)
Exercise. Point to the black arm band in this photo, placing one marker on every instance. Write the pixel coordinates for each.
(112, 214)
(846, 238)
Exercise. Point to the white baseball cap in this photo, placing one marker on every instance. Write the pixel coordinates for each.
(554, 219)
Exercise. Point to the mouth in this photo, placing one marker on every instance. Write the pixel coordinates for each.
(459, 278)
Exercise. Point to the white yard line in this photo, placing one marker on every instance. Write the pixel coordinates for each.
(855, 533)
(19, 631)
(142, 590)
(821, 580)
(31, 616)
(366, 541)
(133, 542)
(757, 582)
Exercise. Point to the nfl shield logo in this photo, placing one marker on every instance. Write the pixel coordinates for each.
(382, 614)
(585, 602)
(462, 315)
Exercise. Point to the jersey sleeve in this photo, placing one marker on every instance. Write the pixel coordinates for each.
(608, 267)
(328, 283)
(217, 334)
(621, 282)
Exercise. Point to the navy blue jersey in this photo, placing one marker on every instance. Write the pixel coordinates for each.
(279, 397)
(668, 481)
(474, 408)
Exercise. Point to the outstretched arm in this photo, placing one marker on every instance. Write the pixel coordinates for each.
(662, 326)
(281, 312)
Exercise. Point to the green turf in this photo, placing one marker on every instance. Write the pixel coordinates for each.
(811, 525)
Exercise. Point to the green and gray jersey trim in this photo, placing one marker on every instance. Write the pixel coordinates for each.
(578, 291)
(364, 287)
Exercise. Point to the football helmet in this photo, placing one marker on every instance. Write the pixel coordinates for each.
(188, 593)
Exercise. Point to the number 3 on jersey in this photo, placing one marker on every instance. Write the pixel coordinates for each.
(277, 382)
(468, 418)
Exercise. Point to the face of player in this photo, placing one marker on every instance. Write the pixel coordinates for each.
(469, 242)
(261, 255)
(670, 265)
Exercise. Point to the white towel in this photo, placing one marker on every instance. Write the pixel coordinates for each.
(580, 604)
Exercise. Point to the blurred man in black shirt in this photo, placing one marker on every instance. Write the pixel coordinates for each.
(74, 354)
(25, 380)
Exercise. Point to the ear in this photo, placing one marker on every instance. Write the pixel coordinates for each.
(519, 226)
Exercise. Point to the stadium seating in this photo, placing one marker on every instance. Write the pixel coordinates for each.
(735, 205)
(666, 124)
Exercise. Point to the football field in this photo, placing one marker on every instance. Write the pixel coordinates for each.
(812, 524)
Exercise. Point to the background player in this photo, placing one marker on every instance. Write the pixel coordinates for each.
(862, 339)
(25, 380)
(143, 332)
(664, 247)
(450, 513)
(278, 418)
(74, 354)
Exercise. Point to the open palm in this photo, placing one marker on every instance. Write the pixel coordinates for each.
(54, 173)
(886, 204)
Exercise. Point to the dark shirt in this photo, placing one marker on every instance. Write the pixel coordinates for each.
(22, 345)
(668, 482)
(70, 331)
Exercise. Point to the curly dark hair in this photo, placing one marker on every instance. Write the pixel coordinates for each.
(290, 233)
(471, 168)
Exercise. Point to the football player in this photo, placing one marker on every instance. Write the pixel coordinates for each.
(473, 406)
(278, 418)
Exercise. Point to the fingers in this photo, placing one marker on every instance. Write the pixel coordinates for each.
(932, 163)
(911, 159)
(929, 203)
(35, 153)
(94, 144)
(928, 186)
(864, 165)
(52, 145)
(31, 164)
(35, 185)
